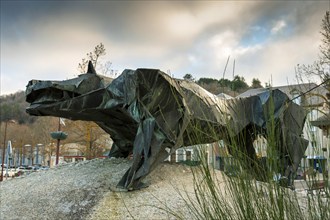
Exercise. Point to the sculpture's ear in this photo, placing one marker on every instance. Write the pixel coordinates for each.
(91, 68)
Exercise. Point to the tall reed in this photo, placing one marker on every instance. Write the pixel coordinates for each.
(249, 190)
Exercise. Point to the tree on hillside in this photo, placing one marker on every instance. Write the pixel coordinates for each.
(206, 80)
(188, 77)
(13, 108)
(256, 83)
(225, 83)
(211, 85)
(239, 84)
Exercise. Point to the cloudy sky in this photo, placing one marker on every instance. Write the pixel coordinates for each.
(267, 39)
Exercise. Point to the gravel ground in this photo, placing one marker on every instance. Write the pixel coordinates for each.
(83, 191)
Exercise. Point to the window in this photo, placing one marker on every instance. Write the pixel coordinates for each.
(296, 98)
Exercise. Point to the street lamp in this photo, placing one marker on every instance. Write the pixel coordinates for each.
(58, 135)
(4, 147)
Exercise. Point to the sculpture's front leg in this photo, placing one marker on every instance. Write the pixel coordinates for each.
(148, 152)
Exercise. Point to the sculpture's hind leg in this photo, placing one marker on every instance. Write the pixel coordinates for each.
(242, 148)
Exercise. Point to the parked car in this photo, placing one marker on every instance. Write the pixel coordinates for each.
(9, 172)
(44, 168)
(4, 165)
(24, 170)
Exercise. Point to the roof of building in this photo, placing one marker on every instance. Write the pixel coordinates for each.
(314, 95)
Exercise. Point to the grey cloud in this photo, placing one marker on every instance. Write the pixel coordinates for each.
(168, 35)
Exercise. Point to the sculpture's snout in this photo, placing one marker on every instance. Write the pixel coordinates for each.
(32, 82)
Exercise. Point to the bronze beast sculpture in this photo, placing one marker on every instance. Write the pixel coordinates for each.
(149, 114)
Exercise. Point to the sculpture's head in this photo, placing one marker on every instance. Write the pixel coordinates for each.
(46, 93)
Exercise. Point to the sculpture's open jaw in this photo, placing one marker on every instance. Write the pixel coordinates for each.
(49, 96)
(45, 95)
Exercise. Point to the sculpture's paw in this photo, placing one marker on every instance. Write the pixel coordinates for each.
(138, 186)
(118, 189)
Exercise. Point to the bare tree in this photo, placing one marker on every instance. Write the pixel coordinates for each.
(321, 67)
(82, 66)
(19, 135)
(41, 135)
(89, 135)
(188, 77)
(93, 56)
(325, 46)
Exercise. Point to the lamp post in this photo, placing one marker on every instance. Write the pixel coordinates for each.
(58, 135)
(4, 148)
(9, 157)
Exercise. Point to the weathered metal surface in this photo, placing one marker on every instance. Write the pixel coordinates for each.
(149, 114)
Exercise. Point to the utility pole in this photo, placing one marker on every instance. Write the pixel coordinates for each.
(58, 142)
(4, 148)
(3, 152)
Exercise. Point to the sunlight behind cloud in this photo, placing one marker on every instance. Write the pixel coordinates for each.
(227, 44)
(279, 25)
(182, 25)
